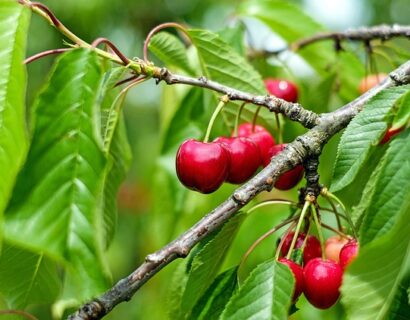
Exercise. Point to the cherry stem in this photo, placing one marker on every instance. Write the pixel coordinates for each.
(326, 193)
(263, 237)
(282, 241)
(237, 119)
(295, 236)
(272, 202)
(319, 230)
(20, 313)
(332, 211)
(339, 224)
(255, 117)
(112, 46)
(44, 54)
(223, 101)
(158, 28)
(343, 235)
(280, 133)
(302, 248)
(126, 80)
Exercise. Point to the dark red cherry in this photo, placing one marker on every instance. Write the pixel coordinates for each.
(390, 133)
(202, 166)
(282, 89)
(244, 158)
(348, 253)
(297, 271)
(288, 179)
(322, 280)
(260, 136)
(312, 249)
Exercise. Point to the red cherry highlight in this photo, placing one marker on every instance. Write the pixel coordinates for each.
(282, 89)
(322, 280)
(290, 178)
(244, 158)
(297, 271)
(202, 166)
(348, 253)
(312, 248)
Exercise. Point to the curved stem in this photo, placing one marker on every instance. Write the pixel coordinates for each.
(255, 117)
(343, 235)
(280, 245)
(339, 224)
(112, 46)
(271, 202)
(295, 236)
(237, 119)
(280, 132)
(263, 237)
(158, 28)
(319, 230)
(334, 212)
(44, 54)
(223, 101)
(20, 313)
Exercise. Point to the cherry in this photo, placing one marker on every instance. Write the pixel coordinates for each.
(290, 178)
(348, 253)
(202, 166)
(282, 89)
(312, 248)
(297, 271)
(333, 246)
(244, 158)
(390, 133)
(371, 81)
(322, 280)
(260, 136)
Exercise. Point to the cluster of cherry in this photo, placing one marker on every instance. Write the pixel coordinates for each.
(203, 166)
(319, 279)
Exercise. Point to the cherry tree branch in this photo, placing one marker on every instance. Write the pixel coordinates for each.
(311, 143)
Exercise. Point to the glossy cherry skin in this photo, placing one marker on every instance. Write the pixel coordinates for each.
(288, 179)
(333, 246)
(322, 280)
(202, 166)
(312, 249)
(297, 271)
(348, 253)
(260, 136)
(244, 158)
(282, 89)
(390, 133)
(371, 81)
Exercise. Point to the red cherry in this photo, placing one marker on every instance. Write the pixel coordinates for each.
(260, 136)
(312, 248)
(322, 280)
(202, 166)
(371, 81)
(282, 89)
(390, 133)
(348, 253)
(290, 178)
(244, 158)
(333, 246)
(297, 271)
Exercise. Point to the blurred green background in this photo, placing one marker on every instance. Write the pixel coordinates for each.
(145, 222)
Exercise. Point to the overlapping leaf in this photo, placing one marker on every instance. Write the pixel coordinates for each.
(27, 277)
(266, 294)
(372, 281)
(391, 192)
(362, 134)
(14, 21)
(56, 202)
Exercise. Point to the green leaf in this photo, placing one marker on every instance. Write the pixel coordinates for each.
(265, 294)
(400, 308)
(169, 49)
(361, 136)
(57, 196)
(213, 301)
(27, 277)
(14, 21)
(234, 36)
(392, 190)
(206, 263)
(222, 63)
(403, 114)
(372, 280)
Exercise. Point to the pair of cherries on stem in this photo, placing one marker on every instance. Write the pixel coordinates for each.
(205, 166)
(319, 279)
